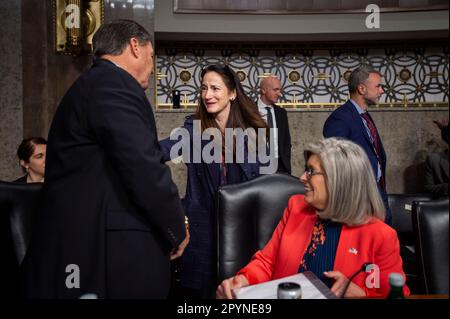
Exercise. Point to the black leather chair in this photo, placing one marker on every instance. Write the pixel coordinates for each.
(247, 215)
(401, 207)
(431, 227)
(18, 205)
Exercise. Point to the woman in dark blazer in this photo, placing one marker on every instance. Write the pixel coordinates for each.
(223, 104)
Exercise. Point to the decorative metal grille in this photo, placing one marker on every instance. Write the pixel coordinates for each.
(311, 78)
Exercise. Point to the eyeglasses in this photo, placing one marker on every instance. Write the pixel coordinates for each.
(310, 172)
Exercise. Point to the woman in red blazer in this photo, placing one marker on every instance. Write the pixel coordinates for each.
(332, 230)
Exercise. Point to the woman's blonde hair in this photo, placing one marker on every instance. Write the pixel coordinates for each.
(353, 195)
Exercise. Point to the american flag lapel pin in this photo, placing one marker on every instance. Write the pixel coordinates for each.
(353, 251)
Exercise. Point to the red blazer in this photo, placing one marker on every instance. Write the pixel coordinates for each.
(374, 242)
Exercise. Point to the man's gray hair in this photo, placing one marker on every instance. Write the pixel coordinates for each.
(353, 195)
(359, 76)
(112, 38)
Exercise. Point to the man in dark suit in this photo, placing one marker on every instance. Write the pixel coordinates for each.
(437, 167)
(112, 218)
(276, 117)
(353, 122)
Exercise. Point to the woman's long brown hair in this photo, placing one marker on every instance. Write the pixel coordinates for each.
(243, 111)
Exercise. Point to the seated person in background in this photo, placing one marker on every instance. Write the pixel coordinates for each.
(443, 126)
(332, 230)
(31, 153)
(436, 167)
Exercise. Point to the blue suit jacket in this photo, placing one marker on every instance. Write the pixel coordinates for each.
(346, 122)
(198, 265)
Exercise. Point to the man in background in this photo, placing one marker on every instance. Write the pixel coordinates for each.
(353, 122)
(437, 166)
(276, 117)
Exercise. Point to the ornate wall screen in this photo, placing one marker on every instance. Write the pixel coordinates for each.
(301, 7)
(415, 77)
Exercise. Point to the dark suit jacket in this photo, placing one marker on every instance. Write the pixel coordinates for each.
(111, 212)
(347, 123)
(198, 263)
(284, 140)
(22, 180)
(436, 174)
(444, 133)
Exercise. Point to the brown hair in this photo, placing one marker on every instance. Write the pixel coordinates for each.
(243, 111)
(26, 148)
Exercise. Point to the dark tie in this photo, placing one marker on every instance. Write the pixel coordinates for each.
(376, 141)
(269, 116)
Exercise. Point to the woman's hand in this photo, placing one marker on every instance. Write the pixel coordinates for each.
(224, 289)
(177, 252)
(340, 281)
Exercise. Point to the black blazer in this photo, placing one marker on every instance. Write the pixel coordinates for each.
(284, 140)
(437, 174)
(111, 212)
(22, 180)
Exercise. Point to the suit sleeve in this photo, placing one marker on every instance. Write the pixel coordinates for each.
(260, 269)
(123, 124)
(336, 126)
(166, 145)
(181, 142)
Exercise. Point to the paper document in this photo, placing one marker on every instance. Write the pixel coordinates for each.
(312, 288)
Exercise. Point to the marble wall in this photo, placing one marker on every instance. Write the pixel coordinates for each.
(10, 88)
(408, 138)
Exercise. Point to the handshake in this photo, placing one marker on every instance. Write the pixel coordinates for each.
(177, 252)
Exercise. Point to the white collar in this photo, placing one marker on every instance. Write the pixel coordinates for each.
(262, 105)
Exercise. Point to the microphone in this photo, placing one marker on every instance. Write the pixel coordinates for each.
(363, 268)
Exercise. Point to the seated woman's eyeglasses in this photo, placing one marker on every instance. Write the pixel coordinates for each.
(310, 172)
